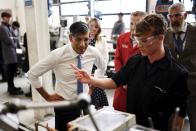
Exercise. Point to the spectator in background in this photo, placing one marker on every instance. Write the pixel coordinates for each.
(181, 40)
(99, 98)
(16, 32)
(87, 19)
(119, 26)
(16, 27)
(26, 63)
(126, 48)
(9, 45)
(156, 83)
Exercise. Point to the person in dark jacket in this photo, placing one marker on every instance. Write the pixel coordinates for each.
(8, 44)
(156, 83)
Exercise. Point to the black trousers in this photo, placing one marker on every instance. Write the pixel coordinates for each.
(63, 116)
(2, 71)
(10, 72)
(192, 112)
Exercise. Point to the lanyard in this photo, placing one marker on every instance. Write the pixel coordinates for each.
(176, 42)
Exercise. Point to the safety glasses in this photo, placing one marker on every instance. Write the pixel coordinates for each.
(144, 41)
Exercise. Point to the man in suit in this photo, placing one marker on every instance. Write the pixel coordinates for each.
(8, 45)
(181, 40)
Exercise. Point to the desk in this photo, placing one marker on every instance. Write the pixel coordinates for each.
(106, 119)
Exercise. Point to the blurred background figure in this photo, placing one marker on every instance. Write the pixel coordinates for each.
(126, 48)
(20, 55)
(87, 19)
(16, 27)
(8, 44)
(118, 28)
(26, 54)
(25, 66)
(98, 95)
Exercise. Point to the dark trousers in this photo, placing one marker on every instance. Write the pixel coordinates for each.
(10, 72)
(63, 116)
(2, 71)
(160, 122)
(192, 112)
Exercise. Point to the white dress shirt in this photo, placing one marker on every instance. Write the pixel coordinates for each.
(59, 61)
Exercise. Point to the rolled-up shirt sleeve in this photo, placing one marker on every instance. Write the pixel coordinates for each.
(40, 68)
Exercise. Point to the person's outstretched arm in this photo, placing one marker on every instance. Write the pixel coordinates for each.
(84, 77)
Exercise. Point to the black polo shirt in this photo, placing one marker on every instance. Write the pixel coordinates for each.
(154, 90)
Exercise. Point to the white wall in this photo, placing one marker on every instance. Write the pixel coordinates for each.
(8, 4)
(152, 4)
(20, 15)
(17, 9)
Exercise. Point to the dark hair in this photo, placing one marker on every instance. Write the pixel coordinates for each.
(120, 14)
(16, 24)
(78, 28)
(153, 23)
(5, 14)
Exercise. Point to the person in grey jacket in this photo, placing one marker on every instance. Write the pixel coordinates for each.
(119, 26)
(8, 45)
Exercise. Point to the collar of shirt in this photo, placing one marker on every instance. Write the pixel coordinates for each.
(163, 62)
(184, 28)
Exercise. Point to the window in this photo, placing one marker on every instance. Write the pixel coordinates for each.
(74, 9)
(54, 19)
(72, 0)
(116, 6)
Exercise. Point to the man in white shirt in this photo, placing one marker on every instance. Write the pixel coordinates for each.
(59, 61)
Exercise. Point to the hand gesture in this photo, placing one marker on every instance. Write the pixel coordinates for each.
(81, 75)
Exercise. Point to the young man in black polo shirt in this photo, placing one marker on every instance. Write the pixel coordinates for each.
(156, 83)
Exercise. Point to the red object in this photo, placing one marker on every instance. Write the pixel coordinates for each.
(120, 99)
(124, 50)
